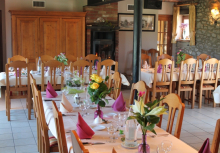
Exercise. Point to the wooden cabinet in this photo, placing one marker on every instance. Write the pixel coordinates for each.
(36, 33)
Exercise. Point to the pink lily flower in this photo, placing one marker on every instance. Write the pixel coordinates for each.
(141, 94)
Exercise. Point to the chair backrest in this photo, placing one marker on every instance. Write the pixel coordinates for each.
(91, 58)
(145, 57)
(80, 64)
(216, 138)
(71, 58)
(139, 86)
(153, 53)
(17, 58)
(203, 57)
(113, 150)
(187, 56)
(44, 59)
(78, 147)
(165, 79)
(189, 76)
(211, 78)
(18, 66)
(41, 118)
(61, 137)
(32, 83)
(53, 65)
(108, 64)
(164, 56)
(174, 103)
(115, 85)
(143, 51)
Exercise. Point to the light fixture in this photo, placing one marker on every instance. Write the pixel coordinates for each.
(215, 13)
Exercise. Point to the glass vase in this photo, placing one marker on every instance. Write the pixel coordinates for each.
(98, 112)
(144, 147)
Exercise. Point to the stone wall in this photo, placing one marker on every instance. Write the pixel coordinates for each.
(207, 33)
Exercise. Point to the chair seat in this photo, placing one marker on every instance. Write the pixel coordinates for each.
(208, 86)
(53, 141)
(161, 87)
(185, 87)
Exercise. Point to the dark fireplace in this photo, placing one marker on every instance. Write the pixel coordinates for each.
(103, 44)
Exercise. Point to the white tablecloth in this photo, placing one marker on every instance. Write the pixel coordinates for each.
(102, 136)
(46, 79)
(148, 76)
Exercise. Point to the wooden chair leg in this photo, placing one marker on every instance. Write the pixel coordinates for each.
(6, 103)
(193, 98)
(184, 96)
(206, 97)
(200, 98)
(8, 108)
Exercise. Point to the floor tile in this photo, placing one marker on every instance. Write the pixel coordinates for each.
(23, 135)
(6, 143)
(7, 136)
(24, 142)
(7, 150)
(26, 149)
(4, 131)
(21, 129)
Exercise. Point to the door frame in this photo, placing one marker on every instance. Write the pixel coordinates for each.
(169, 36)
(1, 42)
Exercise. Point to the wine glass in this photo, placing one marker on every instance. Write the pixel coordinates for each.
(122, 118)
(87, 106)
(111, 131)
(164, 147)
(82, 108)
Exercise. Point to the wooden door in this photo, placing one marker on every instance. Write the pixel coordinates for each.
(25, 39)
(164, 34)
(72, 36)
(50, 36)
(1, 43)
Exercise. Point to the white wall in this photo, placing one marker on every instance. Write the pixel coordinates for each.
(51, 5)
(2, 8)
(149, 39)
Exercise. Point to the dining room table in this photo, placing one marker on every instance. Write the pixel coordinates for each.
(37, 77)
(101, 134)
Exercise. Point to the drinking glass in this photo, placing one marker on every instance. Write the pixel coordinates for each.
(111, 132)
(82, 108)
(164, 147)
(87, 106)
(123, 118)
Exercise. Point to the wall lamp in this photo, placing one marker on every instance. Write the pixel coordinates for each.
(215, 17)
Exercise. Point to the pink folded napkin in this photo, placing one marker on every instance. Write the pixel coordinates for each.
(83, 130)
(17, 73)
(50, 92)
(96, 63)
(205, 147)
(159, 69)
(119, 104)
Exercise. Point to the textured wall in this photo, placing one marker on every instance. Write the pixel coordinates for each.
(207, 34)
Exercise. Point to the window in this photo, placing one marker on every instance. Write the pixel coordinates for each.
(185, 20)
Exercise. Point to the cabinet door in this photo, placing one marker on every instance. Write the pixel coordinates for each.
(73, 36)
(50, 36)
(25, 38)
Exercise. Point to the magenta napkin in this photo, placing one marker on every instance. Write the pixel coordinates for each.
(119, 104)
(98, 112)
(83, 130)
(17, 73)
(205, 147)
(50, 92)
(96, 63)
(159, 69)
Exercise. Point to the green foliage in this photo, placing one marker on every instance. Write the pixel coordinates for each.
(180, 57)
(121, 132)
(62, 58)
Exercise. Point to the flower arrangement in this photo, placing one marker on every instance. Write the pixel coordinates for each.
(75, 80)
(98, 90)
(180, 56)
(183, 25)
(61, 58)
(147, 115)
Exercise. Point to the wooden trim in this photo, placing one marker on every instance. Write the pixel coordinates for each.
(186, 4)
(45, 13)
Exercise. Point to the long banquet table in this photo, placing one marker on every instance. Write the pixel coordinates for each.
(102, 136)
(37, 77)
(147, 75)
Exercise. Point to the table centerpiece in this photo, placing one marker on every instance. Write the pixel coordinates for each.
(147, 115)
(180, 56)
(61, 58)
(98, 90)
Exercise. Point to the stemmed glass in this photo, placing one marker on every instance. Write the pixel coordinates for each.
(164, 147)
(122, 118)
(82, 107)
(87, 106)
(111, 132)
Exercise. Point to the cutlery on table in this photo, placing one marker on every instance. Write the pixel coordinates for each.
(93, 143)
(68, 115)
(163, 135)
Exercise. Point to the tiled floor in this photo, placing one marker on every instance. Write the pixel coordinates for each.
(20, 134)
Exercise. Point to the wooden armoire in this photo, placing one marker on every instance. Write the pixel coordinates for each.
(36, 33)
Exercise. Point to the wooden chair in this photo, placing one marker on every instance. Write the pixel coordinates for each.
(203, 57)
(143, 51)
(108, 64)
(187, 80)
(77, 144)
(145, 57)
(80, 64)
(113, 150)
(115, 85)
(61, 137)
(164, 56)
(174, 103)
(44, 139)
(71, 58)
(165, 83)
(152, 53)
(216, 138)
(44, 59)
(210, 82)
(19, 87)
(139, 86)
(188, 56)
(91, 58)
(53, 65)
(17, 58)
(33, 82)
